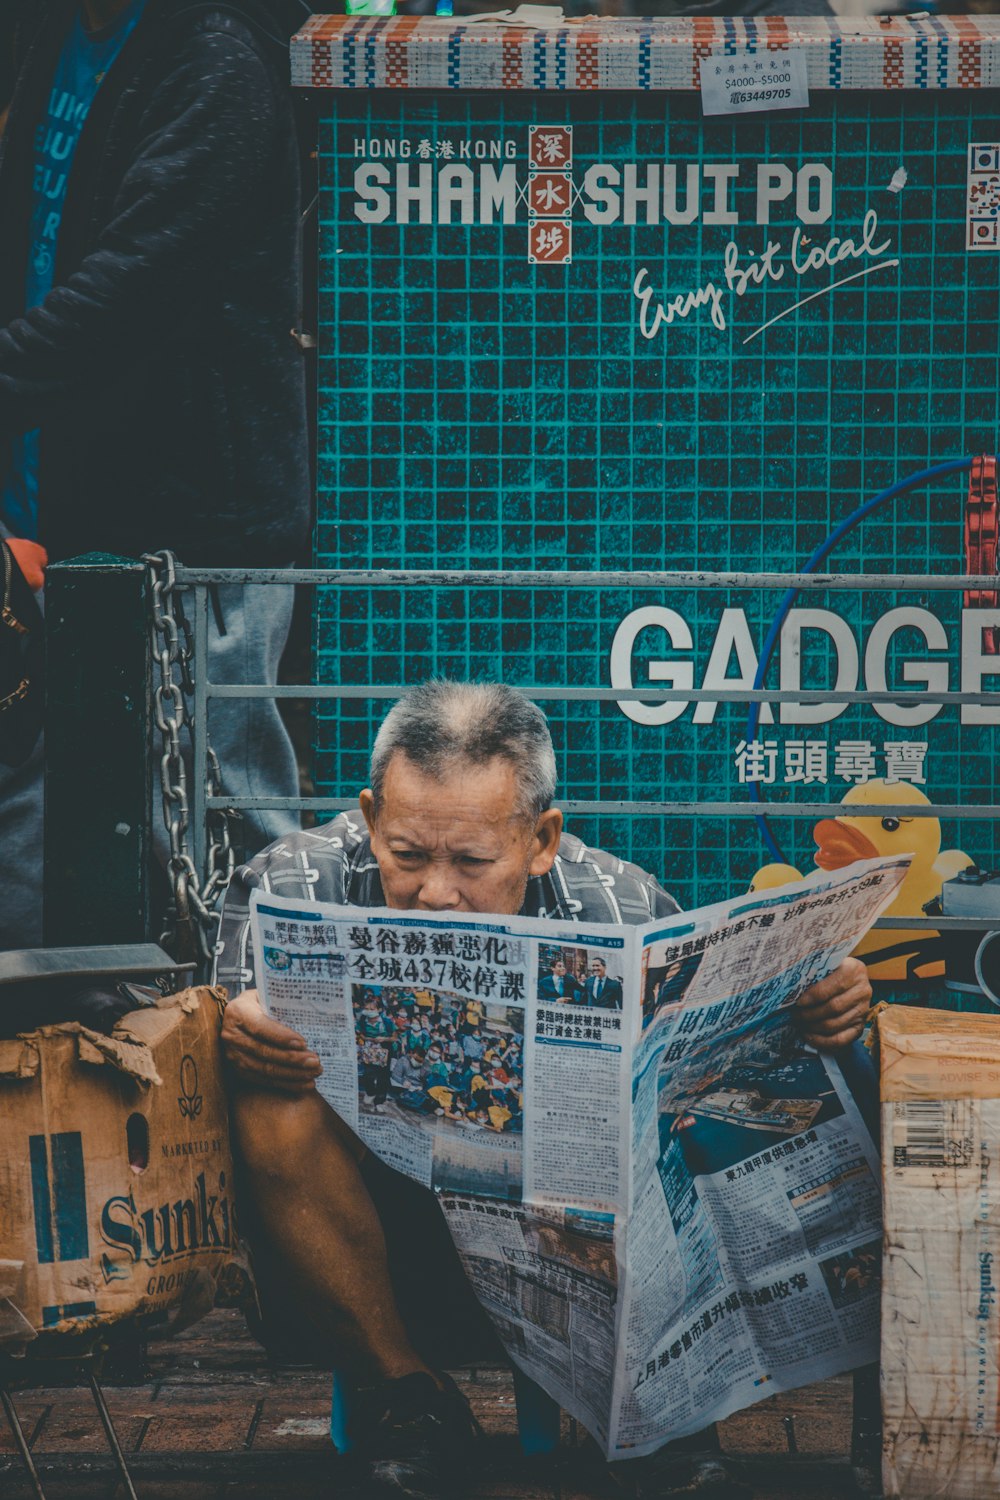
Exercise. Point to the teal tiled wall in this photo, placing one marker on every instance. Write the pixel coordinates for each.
(480, 411)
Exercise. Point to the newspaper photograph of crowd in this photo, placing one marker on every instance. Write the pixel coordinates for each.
(442, 1055)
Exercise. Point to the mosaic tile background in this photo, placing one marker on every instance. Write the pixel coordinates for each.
(479, 411)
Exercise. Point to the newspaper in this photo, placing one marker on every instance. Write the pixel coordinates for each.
(668, 1204)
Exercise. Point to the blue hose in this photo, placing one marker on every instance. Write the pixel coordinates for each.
(902, 487)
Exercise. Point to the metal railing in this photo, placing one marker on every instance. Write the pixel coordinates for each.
(197, 583)
(200, 580)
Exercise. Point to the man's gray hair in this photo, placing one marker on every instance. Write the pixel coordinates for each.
(441, 724)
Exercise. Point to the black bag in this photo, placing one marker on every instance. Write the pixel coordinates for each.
(22, 696)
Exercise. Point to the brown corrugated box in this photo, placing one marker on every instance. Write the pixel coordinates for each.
(116, 1177)
(941, 1275)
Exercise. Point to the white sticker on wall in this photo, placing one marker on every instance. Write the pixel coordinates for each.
(739, 83)
(982, 210)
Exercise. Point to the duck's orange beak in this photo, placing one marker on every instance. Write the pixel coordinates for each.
(840, 844)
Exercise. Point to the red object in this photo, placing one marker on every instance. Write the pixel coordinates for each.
(981, 531)
(550, 242)
(31, 558)
(550, 146)
(550, 194)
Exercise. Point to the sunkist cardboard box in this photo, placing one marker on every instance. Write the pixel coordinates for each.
(116, 1177)
(941, 1275)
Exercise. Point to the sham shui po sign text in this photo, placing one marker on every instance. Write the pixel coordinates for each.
(483, 181)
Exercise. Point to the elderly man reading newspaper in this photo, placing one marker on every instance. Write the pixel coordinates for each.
(458, 817)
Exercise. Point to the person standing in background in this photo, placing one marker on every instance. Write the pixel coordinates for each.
(152, 394)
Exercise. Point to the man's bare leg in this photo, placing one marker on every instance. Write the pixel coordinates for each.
(315, 1209)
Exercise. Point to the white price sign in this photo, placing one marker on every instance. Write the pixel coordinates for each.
(737, 83)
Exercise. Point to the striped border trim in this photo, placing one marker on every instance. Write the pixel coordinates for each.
(907, 52)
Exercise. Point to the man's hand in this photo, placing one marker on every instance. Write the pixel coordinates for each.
(831, 1012)
(262, 1052)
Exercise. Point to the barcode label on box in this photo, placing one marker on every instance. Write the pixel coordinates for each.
(934, 1135)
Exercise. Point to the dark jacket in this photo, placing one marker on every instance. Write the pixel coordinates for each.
(572, 990)
(611, 996)
(161, 367)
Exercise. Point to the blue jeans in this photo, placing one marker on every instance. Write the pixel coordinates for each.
(255, 756)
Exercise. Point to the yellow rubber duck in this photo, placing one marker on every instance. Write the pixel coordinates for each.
(769, 876)
(843, 840)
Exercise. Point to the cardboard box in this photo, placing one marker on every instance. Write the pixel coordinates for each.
(941, 1276)
(116, 1176)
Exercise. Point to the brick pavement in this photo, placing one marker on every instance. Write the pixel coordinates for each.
(216, 1423)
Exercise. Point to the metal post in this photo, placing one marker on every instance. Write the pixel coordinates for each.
(199, 738)
(98, 840)
(112, 1437)
(866, 1431)
(21, 1441)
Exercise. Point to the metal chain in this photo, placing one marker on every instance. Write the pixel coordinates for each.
(194, 917)
(220, 857)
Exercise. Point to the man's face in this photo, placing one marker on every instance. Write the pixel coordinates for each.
(559, 968)
(459, 844)
(597, 969)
